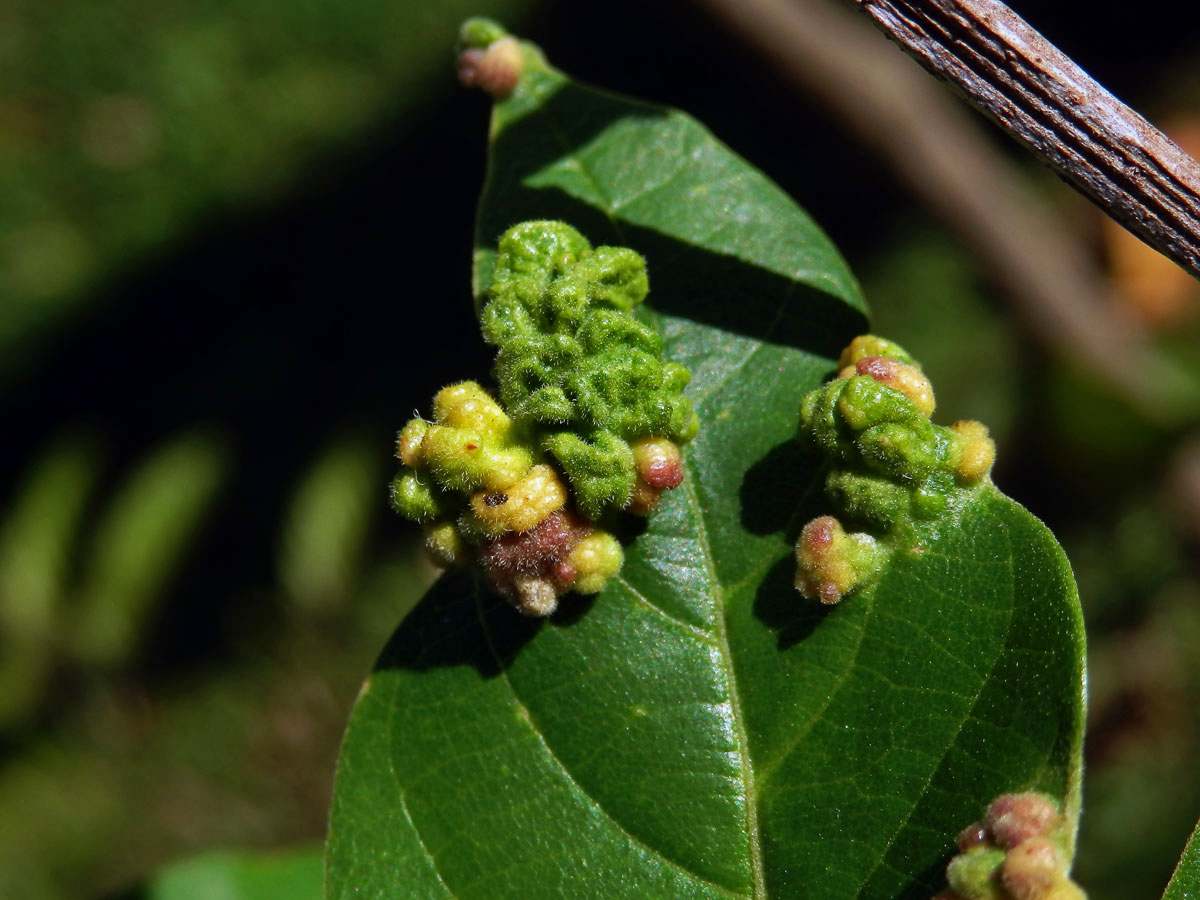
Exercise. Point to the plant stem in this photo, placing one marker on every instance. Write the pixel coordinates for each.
(1038, 95)
(944, 157)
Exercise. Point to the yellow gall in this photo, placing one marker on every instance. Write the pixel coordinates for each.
(446, 547)
(1065, 890)
(522, 505)
(659, 462)
(408, 443)
(467, 405)
(595, 558)
(862, 346)
(977, 451)
(823, 569)
(496, 70)
(442, 446)
(506, 467)
(658, 467)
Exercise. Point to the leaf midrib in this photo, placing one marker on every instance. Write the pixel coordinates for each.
(753, 832)
(531, 721)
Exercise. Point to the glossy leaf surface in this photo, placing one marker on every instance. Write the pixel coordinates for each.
(698, 730)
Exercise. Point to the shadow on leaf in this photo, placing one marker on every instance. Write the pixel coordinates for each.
(779, 606)
(535, 155)
(462, 621)
(781, 491)
(459, 622)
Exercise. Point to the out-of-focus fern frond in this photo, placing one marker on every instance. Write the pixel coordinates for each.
(36, 541)
(124, 124)
(140, 541)
(327, 525)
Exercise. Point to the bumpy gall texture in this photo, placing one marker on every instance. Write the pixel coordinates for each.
(892, 469)
(588, 422)
(489, 58)
(1013, 819)
(830, 562)
(1018, 852)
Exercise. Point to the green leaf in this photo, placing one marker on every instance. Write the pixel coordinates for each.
(1185, 883)
(698, 730)
(294, 875)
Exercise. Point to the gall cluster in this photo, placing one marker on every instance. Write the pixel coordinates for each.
(891, 467)
(587, 423)
(1018, 852)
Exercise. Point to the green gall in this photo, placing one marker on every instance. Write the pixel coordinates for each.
(892, 470)
(416, 498)
(538, 250)
(464, 460)
(868, 500)
(570, 354)
(902, 451)
(479, 32)
(929, 501)
(446, 546)
(601, 471)
(613, 276)
(907, 379)
(974, 875)
(863, 402)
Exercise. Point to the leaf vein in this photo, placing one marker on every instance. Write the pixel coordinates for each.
(575, 785)
(735, 703)
(637, 595)
(402, 796)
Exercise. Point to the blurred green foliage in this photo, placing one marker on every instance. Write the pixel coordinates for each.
(216, 217)
(296, 875)
(128, 123)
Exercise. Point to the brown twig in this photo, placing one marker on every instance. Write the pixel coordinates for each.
(947, 160)
(1036, 93)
